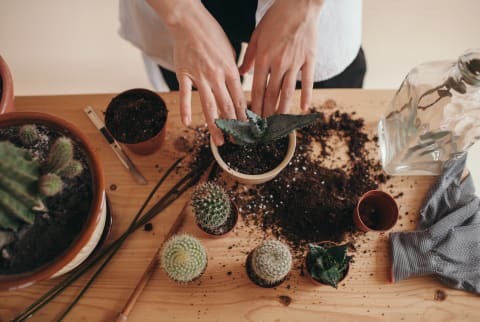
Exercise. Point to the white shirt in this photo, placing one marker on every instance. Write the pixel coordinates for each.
(339, 33)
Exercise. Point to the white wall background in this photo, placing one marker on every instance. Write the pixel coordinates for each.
(66, 46)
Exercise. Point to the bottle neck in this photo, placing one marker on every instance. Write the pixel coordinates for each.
(469, 67)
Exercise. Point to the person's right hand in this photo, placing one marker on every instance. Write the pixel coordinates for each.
(204, 58)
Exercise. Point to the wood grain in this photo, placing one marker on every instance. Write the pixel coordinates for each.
(224, 293)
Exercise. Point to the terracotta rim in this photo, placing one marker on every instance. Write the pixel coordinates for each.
(49, 269)
(389, 207)
(256, 178)
(313, 280)
(6, 100)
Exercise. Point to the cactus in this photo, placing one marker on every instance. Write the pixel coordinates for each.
(183, 258)
(328, 265)
(28, 134)
(211, 205)
(50, 184)
(262, 130)
(271, 262)
(71, 170)
(60, 155)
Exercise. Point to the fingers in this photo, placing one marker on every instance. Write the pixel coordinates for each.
(288, 90)
(249, 57)
(185, 87)
(209, 108)
(260, 77)
(271, 94)
(307, 84)
(237, 96)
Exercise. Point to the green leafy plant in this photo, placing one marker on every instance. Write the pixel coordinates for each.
(327, 265)
(262, 130)
(270, 262)
(211, 205)
(183, 258)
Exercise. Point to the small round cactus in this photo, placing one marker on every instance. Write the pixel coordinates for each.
(28, 134)
(50, 184)
(184, 258)
(71, 170)
(211, 205)
(61, 154)
(269, 263)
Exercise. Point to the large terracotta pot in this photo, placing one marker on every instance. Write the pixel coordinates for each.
(89, 236)
(6, 83)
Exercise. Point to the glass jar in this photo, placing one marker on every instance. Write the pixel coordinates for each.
(434, 117)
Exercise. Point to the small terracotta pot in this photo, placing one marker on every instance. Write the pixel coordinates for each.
(149, 145)
(6, 83)
(235, 221)
(256, 178)
(87, 239)
(376, 211)
(313, 280)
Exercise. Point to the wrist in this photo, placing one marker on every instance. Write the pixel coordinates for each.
(173, 12)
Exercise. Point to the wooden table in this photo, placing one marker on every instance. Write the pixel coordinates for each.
(225, 293)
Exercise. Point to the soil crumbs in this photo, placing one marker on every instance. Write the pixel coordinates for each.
(313, 198)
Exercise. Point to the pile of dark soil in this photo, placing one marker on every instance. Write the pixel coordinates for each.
(53, 231)
(313, 198)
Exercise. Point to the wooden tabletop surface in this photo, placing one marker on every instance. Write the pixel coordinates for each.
(224, 293)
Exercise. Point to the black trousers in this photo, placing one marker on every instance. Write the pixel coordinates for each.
(238, 21)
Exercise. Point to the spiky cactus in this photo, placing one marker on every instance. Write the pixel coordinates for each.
(60, 155)
(184, 258)
(270, 262)
(18, 177)
(50, 184)
(262, 130)
(72, 169)
(28, 134)
(327, 265)
(211, 205)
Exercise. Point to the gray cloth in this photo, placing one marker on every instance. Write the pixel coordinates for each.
(447, 242)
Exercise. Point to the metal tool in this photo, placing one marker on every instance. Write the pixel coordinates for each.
(114, 145)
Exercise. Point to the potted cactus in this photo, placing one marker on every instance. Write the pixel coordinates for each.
(6, 88)
(183, 258)
(52, 198)
(269, 263)
(261, 147)
(327, 263)
(214, 212)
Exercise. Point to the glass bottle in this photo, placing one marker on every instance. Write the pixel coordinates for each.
(434, 116)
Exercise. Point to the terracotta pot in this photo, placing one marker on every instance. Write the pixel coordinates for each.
(149, 145)
(376, 211)
(206, 233)
(256, 178)
(6, 83)
(93, 228)
(317, 282)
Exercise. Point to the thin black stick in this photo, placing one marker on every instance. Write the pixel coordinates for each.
(60, 287)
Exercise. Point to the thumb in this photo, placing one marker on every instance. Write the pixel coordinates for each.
(249, 58)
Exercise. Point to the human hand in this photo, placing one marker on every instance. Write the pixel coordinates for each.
(283, 44)
(204, 58)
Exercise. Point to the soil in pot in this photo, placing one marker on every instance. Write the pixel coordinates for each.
(254, 158)
(53, 231)
(135, 116)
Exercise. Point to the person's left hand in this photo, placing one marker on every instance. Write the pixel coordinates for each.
(283, 44)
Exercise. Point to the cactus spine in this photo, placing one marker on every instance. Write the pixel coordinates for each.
(60, 155)
(71, 170)
(28, 134)
(184, 258)
(271, 262)
(211, 205)
(50, 184)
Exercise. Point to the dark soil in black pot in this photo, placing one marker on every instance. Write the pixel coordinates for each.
(254, 158)
(53, 232)
(135, 116)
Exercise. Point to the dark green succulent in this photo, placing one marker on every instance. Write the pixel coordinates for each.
(328, 265)
(262, 130)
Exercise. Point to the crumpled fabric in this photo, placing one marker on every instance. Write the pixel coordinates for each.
(446, 243)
